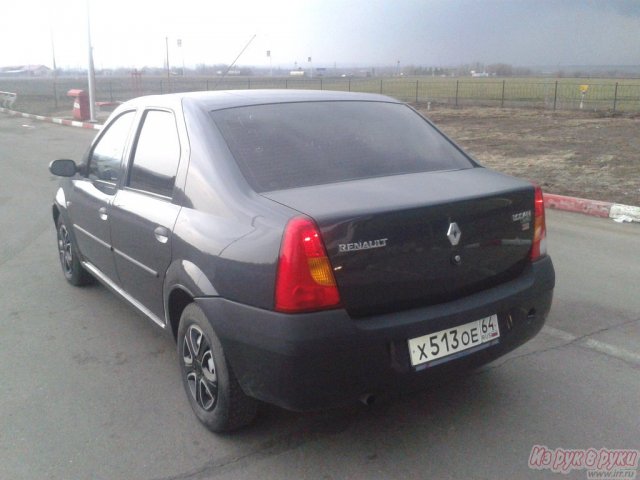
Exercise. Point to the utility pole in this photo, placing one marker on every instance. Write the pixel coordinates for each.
(270, 63)
(166, 41)
(55, 70)
(91, 72)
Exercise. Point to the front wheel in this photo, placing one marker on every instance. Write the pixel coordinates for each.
(69, 261)
(212, 389)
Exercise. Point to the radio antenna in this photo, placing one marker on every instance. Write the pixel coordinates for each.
(234, 62)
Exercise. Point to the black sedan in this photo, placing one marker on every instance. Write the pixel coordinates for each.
(307, 249)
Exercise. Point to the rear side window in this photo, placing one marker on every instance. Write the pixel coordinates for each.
(157, 154)
(291, 145)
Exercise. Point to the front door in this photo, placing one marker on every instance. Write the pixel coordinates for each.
(91, 197)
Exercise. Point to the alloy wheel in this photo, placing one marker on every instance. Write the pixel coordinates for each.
(200, 368)
(65, 248)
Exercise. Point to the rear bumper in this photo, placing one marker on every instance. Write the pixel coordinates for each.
(324, 359)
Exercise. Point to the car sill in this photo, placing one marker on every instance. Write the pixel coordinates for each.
(109, 283)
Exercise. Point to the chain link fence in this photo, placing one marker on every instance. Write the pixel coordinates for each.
(47, 95)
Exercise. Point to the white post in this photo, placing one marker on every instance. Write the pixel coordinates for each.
(179, 43)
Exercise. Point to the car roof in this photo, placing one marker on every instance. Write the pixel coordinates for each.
(217, 100)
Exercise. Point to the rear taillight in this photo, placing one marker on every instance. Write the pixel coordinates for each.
(539, 247)
(305, 280)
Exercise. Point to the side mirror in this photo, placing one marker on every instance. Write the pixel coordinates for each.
(63, 168)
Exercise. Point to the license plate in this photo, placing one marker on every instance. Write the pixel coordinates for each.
(453, 340)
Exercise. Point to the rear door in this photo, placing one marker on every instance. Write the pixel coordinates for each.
(92, 195)
(143, 212)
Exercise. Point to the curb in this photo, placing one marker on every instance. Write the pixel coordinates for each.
(59, 121)
(616, 211)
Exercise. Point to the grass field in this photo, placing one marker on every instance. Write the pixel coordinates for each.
(568, 152)
(44, 95)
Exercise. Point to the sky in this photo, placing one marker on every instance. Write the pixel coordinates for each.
(344, 33)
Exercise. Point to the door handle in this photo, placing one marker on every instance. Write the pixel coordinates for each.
(102, 213)
(161, 234)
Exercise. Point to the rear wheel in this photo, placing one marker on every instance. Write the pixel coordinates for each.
(69, 260)
(212, 389)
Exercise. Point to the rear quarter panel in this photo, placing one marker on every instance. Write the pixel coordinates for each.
(230, 233)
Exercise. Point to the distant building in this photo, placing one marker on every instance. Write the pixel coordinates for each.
(230, 73)
(479, 74)
(296, 73)
(25, 71)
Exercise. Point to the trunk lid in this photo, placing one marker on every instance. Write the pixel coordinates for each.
(420, 239)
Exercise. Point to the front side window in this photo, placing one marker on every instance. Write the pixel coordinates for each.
(106, 158)
(157, 154)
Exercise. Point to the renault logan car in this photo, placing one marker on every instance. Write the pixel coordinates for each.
(306, 249)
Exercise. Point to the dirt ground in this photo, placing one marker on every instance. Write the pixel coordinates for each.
(583, 154)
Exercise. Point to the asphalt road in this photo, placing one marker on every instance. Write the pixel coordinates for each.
(89, 389)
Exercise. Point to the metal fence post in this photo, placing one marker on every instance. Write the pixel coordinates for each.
(111, 90)
(320, 84)
(457, 87)
(555, 96)
(207, 84)
(161, 90)
(417, 81)
(502, 100)
(248, 84)
(349, 84)
(615, 97)
(380, 86)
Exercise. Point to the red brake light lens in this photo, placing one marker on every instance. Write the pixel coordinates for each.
(304, 280)
(539, 247)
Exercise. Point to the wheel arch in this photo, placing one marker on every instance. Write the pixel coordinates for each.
(55, 212)
(59, 202)
(177, 301)
(184, 282)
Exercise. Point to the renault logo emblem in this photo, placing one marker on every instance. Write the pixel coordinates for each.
(454, 233)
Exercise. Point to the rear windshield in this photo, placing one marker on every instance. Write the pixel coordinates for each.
(289, 145)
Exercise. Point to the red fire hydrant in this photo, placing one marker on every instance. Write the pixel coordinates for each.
(80, 104)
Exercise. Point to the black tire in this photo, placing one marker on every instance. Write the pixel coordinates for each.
(69, 259)
(211, 387)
